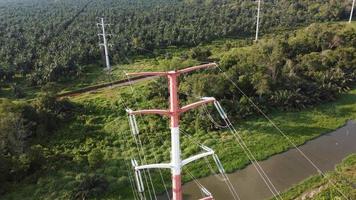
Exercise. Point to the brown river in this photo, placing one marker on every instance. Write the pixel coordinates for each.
(284, 170)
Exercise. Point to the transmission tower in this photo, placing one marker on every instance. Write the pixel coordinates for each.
(174, 112)
(258, 19)
(102, 25)
(352, 10)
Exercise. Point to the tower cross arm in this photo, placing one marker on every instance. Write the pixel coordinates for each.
(147, 74)
(182, 71)
(205, 100)
(149, 111)
(197, 157)
(189, 69)
(154, 166)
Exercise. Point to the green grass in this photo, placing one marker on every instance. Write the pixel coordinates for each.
(342, 180)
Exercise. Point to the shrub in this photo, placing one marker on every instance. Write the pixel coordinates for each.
(200, 53)
(90, 186)
(95, 158)
(18, 91)
(13, 130)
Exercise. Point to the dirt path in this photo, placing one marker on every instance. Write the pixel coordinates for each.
(113, 84)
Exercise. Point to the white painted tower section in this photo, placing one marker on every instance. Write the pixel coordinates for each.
(105, 43)
(352, 10)
(258, 19)
(175, 159)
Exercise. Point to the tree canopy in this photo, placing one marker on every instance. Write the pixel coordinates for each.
(45, 41)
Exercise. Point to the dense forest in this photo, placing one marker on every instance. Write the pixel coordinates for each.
(53, 148)
(290, 71)
(44, 41)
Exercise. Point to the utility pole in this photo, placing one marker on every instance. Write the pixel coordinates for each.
(258, 19)
(352, 10)
(104, 44)
(174, 113)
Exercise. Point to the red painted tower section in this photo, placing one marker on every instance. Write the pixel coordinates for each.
(174, 113)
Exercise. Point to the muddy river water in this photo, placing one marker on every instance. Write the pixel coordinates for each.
(284, 170)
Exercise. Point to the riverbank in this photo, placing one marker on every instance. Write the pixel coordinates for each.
(285, 169)
(320, 188)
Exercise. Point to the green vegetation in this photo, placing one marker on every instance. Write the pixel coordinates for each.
(100, 128)
(22, 129)
(287, 72)
(320, 188)
(53, 41)
(80, 148)
(87, 154)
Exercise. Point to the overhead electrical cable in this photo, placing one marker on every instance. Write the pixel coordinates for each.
(132, 182)
(224, 177)
(252, 159)
(160, 170)
(280, 131)
(145, 172)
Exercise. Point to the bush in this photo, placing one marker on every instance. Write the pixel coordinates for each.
(14, 131)
(95, 158)
(90, 186)
(200, 53)
(49, 112)
(18, 91)
(20, 124)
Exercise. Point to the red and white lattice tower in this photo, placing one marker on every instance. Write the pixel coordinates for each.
(174, 113)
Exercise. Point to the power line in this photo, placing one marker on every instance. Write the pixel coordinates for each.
(280, 131)
(222, 172)
(135, 129)
(138, 174)
(246, 150)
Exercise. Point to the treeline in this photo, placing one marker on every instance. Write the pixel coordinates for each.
(45, 41)
(287, 72)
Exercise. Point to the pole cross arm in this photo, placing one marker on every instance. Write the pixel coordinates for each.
(208, 152)
(186, 108)
(176, 72)
(147, 74)
(154, 166)
(204, 100)
(149, 111)
(189, 69)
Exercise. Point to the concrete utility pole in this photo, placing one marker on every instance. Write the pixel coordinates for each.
(352, 10)
(258, 19)
(104, 44)
(174, 113)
